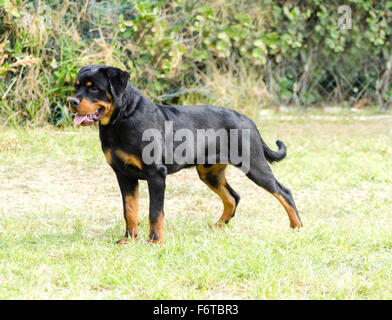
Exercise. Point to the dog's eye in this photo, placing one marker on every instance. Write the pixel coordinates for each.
(93, 89)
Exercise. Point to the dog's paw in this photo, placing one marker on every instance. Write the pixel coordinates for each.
(218, 225)
(122, 241)
(295, 226)
(150, 241)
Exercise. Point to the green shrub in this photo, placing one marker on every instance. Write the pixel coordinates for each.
(294, 51)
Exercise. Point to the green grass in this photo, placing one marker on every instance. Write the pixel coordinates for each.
(60, 214)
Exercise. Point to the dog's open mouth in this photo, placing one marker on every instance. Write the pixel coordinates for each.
(89, 119)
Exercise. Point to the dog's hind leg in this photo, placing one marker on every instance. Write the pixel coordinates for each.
(285, 197)
(262, 175)
(214, 177)
(235, 195)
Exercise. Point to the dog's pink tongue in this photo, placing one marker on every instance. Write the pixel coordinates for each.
(78, 119)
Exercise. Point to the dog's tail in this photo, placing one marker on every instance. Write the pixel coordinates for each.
(274, 156)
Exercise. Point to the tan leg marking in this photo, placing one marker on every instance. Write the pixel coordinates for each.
(156, 231)
(294, 221)
(131, 207)
(131, 213)
(218, 172)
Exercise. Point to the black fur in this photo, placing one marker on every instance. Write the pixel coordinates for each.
(274, 156)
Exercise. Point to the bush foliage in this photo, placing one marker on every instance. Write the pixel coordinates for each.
(233, 52)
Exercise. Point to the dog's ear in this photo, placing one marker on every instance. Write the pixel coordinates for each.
(118, 81)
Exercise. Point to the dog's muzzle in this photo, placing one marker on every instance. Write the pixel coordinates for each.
(74, 103)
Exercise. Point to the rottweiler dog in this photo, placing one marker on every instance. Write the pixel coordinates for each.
(104, 94)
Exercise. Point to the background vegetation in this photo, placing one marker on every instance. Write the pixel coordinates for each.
(237, 53)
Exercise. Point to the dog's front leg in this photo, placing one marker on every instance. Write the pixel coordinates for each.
(130, 196)
(156, 188)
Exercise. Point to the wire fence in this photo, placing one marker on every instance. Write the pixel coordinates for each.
(358, 74)
(358, 81)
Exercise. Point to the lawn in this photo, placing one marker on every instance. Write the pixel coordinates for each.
(61, 213)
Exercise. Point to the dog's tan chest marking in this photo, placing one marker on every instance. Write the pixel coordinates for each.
(129, 159)
(108, 156)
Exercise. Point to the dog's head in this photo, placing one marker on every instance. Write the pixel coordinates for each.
(98, 91)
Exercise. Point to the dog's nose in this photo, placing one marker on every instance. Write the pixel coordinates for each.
(74, 102)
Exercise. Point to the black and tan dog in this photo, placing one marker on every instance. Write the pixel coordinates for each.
(104, 94)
